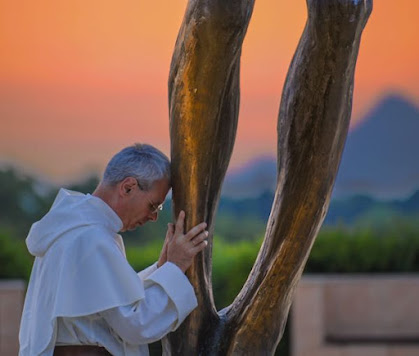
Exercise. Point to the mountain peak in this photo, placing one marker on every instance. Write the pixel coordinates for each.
(392, 109)
(395, 100)
(380, 155)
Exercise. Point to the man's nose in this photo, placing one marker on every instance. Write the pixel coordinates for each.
(153, 216)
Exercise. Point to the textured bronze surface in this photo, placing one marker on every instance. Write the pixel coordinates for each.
(312, 127)
(203, 107)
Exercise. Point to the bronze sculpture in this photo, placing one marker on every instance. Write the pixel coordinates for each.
(312, 127)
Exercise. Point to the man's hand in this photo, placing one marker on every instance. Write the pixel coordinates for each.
(181, 248)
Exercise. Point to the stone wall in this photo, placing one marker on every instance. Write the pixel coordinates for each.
(356, 316)
(331, 316)
(12, 295)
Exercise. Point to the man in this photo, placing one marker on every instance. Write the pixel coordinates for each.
(83, 297)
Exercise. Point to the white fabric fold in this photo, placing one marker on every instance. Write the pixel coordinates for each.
(147, 271)
(178, 288)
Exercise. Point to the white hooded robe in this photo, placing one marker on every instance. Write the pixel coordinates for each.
(80, 273)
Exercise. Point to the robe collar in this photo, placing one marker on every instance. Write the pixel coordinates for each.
(112, 220)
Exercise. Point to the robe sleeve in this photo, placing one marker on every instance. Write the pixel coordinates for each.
(146, 272)
(169, 298)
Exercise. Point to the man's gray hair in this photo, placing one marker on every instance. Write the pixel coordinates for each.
(140, 161)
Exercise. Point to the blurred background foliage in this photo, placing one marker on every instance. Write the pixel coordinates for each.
(360, 235)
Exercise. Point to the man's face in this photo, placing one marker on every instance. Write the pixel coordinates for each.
(139, 206)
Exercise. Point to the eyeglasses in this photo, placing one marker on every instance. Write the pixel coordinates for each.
(154, 209)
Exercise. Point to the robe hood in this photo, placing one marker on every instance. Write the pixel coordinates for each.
(69, 211)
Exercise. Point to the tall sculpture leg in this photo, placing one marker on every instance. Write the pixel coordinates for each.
(204, 106)
(312, 127)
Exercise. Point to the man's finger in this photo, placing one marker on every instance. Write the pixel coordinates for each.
(200, 246)
(199, 238)
(171, 228)
(170, 231)
(196, 230)
(179, 222)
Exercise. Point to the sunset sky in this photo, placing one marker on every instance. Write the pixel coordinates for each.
(80, 79)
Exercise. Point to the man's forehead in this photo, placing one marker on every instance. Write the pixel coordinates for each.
(161, 186)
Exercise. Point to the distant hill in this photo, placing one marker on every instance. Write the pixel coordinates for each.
(381, 155)
(381, 158)
(252, 179)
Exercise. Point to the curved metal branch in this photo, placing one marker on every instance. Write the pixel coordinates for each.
(312, 127)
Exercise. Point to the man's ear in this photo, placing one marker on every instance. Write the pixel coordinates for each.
(127, 185)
